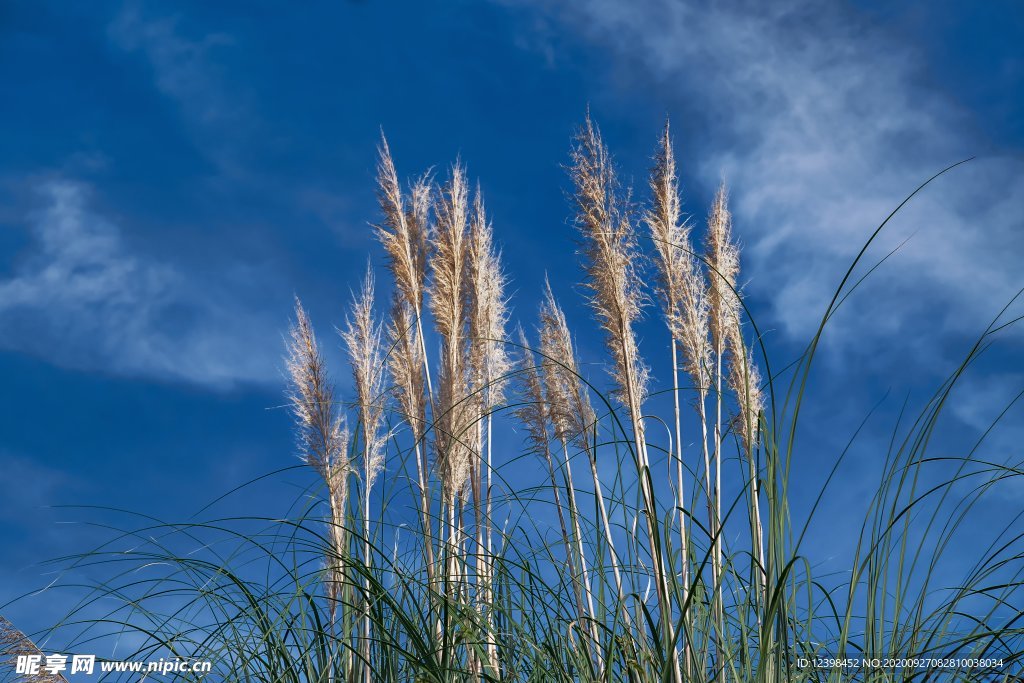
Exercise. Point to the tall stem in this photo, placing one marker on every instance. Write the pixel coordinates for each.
(421, 457)
(702, 414)
(684, 553)
(367, 561)
(643, 471)
(719, 608)
(603, 512)
(574, 515)
(492, 644)
(569, 551)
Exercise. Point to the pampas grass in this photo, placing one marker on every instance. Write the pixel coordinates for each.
(323, 437)
(455, 554)
(609, 249)
(362, 338)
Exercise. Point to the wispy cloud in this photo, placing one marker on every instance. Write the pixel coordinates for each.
(79, 297)
(822, 122)
(214, 109)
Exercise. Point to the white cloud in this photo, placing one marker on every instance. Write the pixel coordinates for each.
(821, 123)
(80, 298)
(214, 110)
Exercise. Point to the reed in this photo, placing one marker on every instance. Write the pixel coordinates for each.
(489, 367)
(473, 581)
(404, 234)
(362, 338)
(610, 253)
(323, 439)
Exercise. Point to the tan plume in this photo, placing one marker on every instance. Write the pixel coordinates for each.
(404, 232)
(318, 423)
(533, 408)
(681, 285)
(745, 384)
(362, 338)
(323, 436)
(723, 265)
(609, 249)
(449, 304)
(405, 362)
(571, 412)
(489, 313)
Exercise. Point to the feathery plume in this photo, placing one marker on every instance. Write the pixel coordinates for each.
(724, 265)
(14, 644)
(405, 362)
(448, 303)
(745, 383)
(323, 436)
(671, 236)
(488, 315)
(405, 235)
(609, 248)
(533, 409)
(319, 427)
(571, 412)
(404, 232)
(684, 304)
(362, 338)
(535, 413)
(681, 285)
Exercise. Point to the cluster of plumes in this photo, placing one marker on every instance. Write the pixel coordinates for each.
(456, 412)
(322, 433)
(571, 414)
(681, 283)
(610, 250)
(443, 258)
(362, 338)
(14, 644)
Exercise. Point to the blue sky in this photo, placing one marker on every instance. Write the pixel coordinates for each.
(172, 173)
